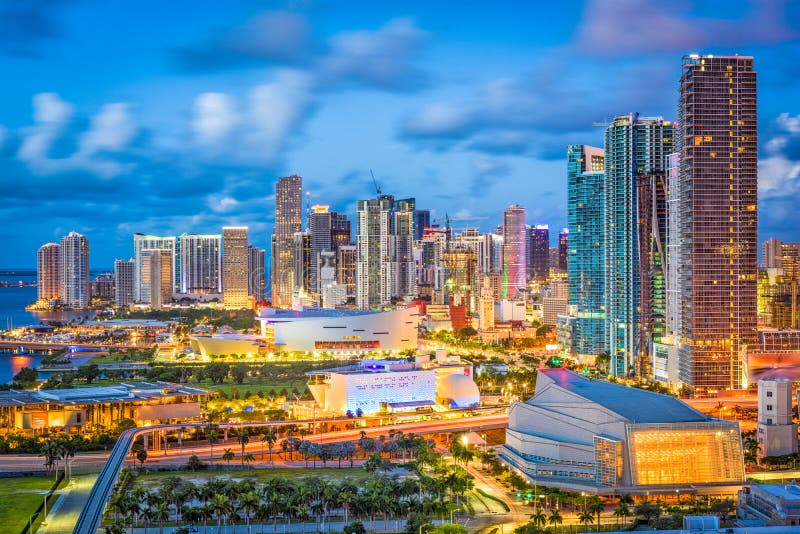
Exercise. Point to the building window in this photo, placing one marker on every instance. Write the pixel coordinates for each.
(769, 407)
(769, 394)
(769, 421)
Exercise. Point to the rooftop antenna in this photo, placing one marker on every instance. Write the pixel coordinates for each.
(375, 182)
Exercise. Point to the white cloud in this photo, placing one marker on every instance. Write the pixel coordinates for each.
(222, 204)
(276, 108)
(112, 129)
(214, 117)
(255, 129)
(48, 108)
(382, 57)
(778, 175)
(789, 123)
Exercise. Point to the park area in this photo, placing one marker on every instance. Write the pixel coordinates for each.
(19, 499)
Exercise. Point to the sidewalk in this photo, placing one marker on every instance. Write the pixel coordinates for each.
(64, 513)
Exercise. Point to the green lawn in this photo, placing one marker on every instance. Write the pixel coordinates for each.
(356, 474)
(18, 501)
(254, 386)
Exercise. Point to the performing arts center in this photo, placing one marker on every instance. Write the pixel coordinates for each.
(598, 437)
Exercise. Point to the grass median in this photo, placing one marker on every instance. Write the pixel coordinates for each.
(19, 498)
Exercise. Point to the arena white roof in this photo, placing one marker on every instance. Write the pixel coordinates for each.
(634, 404)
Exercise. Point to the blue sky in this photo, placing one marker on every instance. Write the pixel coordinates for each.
(175, 117)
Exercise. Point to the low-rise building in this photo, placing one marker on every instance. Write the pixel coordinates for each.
(373, 386)
(770, 504)
(86, 408)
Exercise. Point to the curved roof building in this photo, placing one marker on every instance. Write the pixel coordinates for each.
(344, 331)
(595, 436)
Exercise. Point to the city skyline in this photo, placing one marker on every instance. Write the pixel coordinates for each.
(439, 118)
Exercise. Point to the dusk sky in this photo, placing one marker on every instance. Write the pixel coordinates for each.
(173, 117)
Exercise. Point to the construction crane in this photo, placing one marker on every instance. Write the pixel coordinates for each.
(375, 182)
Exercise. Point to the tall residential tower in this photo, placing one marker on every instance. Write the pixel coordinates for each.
(288, 221)
(718, 181)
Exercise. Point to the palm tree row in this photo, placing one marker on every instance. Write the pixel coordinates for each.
(228, 502)
(56, 450)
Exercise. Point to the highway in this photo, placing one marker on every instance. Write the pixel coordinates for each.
(92, 513)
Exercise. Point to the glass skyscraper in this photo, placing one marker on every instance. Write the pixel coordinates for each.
(586, 260)
(635, 147)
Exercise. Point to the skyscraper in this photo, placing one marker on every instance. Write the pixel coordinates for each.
(158, 263)
(75, 270)
(201, 263)
(718, 218)
(48, 263)
(141, 278)
(346, 268)
(255, 269)
(385, 261)
(539, 252)
(124, 271)
(288, 221)
(341, 231)
(634, 147)
(301, 265)
(563, 249)
(586, 263)
(514, 251)
(422, 220)
(235, 276)
(320, 230)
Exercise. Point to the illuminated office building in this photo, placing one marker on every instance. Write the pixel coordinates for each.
(539, 252)
(719, 219)
(235, 261)
(598, 437)
(422, 220)
(48, 272)
(514, 251)
(288, 221)
(75, 270)
(563, 249)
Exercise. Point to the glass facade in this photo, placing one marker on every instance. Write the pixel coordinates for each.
(586, 259)
(609, 460)
(718, 205)
(685, 453)
(636, 148)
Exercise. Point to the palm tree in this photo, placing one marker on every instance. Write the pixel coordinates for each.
(586, 518)
(538, 518)
(249, 503)
(262, 514)
(596, 506)
(228, 456)
(244, 439)
(161, 514)
(621, 510)
(555, 518)
(248, 458)
(213, 437)
(221, 506)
